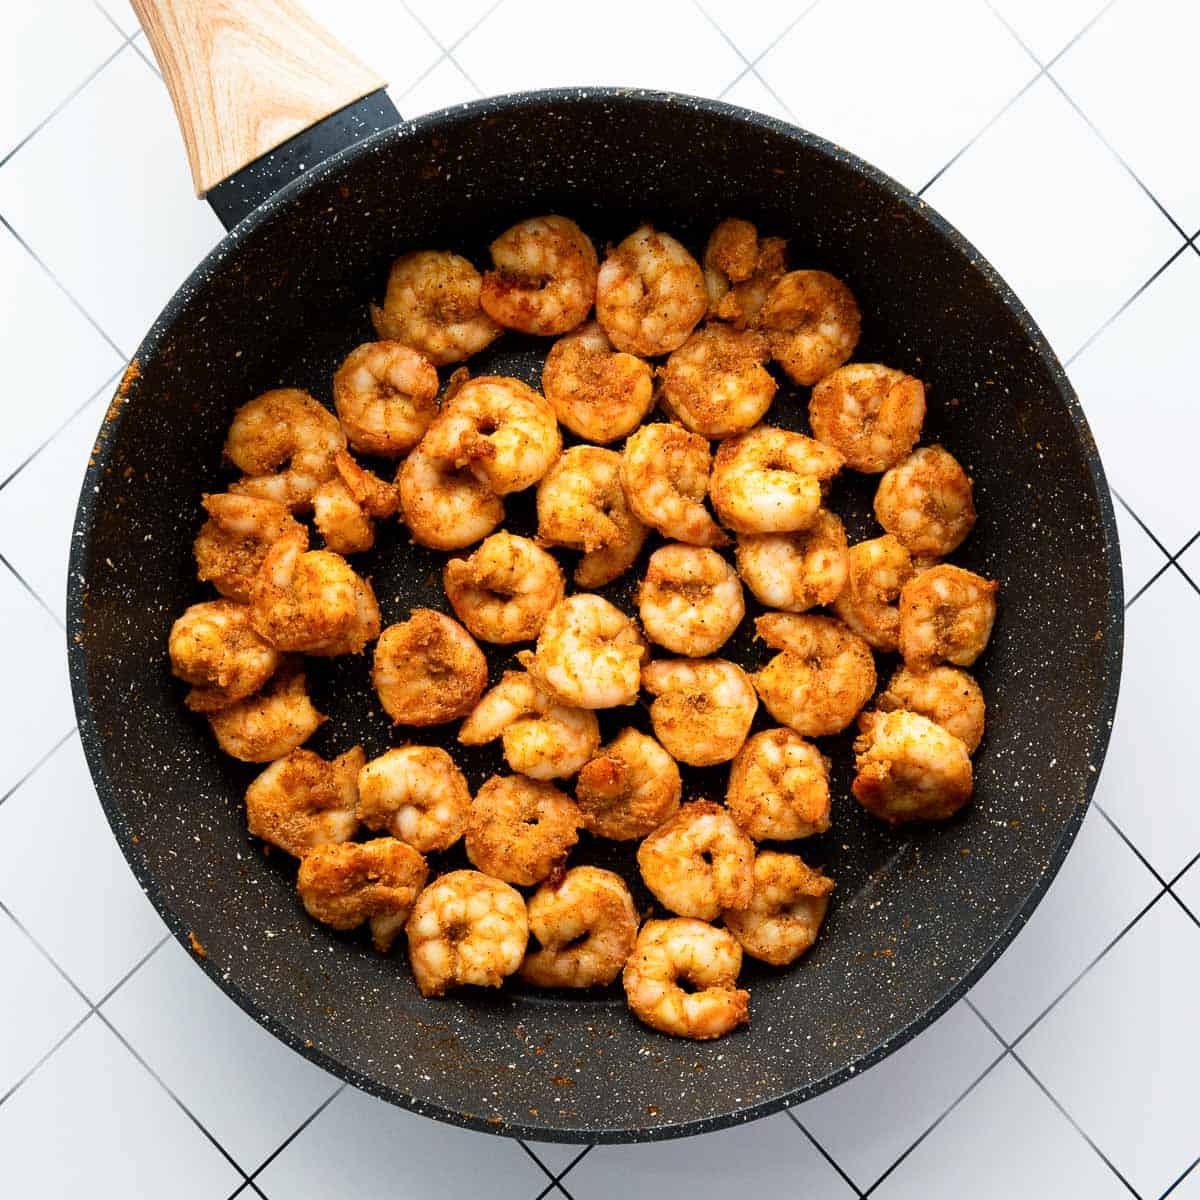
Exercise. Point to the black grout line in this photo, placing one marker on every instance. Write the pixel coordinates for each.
(576, 1161)
(29, 588)
(541, 1165)
(137, 966)
(37, 766)
(291, 1137)
(824, 1153)
(1146, 586)
(1186, 1172)
(1191, 862)
(1144, 527)
(1187, 912)
(1178, 566)
(1124, 837)
(87, 1016)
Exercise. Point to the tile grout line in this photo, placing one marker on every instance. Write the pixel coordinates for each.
(87, 1016)
(1186, 1172)
(824, 1153)
(521, 1142)
(111, 19)
(291, 1137)
(575, 1161)
(748, 68)
(1191, 862)
(37, 766)
(1142, 524)
(29, 588)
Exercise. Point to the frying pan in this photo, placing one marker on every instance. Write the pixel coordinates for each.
(920, 913)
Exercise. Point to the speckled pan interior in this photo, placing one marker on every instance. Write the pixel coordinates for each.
(919, 913)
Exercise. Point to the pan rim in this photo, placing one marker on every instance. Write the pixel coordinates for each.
(275, 208)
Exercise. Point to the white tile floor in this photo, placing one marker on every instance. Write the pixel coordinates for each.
(1054, 135)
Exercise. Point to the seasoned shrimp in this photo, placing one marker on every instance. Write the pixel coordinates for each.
(947, 696)
(665, 473)
(927, 501)
(428, 669)
(466, 928)
(284, 442)
(585, 926)
(544, 279)
(444, 507)
(879, 568)
(343, 506)
(269, 724)
(432, 304)
(629, 789)
(415, 793)
(785, 914)
(812, 323)
(596, 391)
(213, 647)
(385, 394)
(779, 787)
(690, 600)
(589, 653)
(702, 710)
(715, 383)
(344, 884)
(706, 958)
(822, 678)
(542, 737)
(730, 256)
(302, 801)
(946, 613)
(796, 571)
(649, 293)
(699, 862)
(741, 303)
(375, 496)
(871, 414)
(498, 428)
(503, 592)
(521, 829)
(910, 769)
(771, 480)
(233, 542)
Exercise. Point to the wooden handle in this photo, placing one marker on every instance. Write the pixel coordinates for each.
(246, 75)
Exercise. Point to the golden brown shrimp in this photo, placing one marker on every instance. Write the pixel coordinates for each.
(344, 884)
(417, 794)
(785, 914)
(585, 925)
(233, 542)
(879, 568)
(730, 256)
(302, 801)
(946, 613)
(927, 501)
(269, 724)
(703, 707)
(796, 571)
(432, 304)
(466, 928)
(690, 600)
(779, 787)
(649, 293)
(213, 647)
(385, 394)
(812, 323)
(665, 472)
(521, 829)
(343, 506)
(444, 507)
(629, 789)
(544, 279)
(822, 678)
(428, 669)
(948, 696)
(707, 958)
(740, 301)
(871, 414)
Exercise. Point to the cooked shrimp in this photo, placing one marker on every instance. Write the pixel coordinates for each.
(796, 571)
(498, 428)
(415, 793)
(269, 724)
(235, 539)
(432, 304)
(730, 256)
(946, 613)
(585, 926)
(690, 600)
(589, 653)
(543, 738)
(822, 678)
(302, 801)
(385, 394)
(596, 391)
(715, 383)
(706, 958)
(741, 303)
(630, 788)
(284, 442)
(649, 293)
(213, 647)
(544, 280)
(375, 496)
(503, 592)
(343, 506)
(870, 414)
(665, 473)
(771, 480)
(910, 769)
(812, 323)
(428, 669)
(927, 501)
(343, 885)
(785, 914)
(702, 710)
(879, 568)
(521, 829)
(444, 507)
(466, 928)
(947, 696)
(779, 787)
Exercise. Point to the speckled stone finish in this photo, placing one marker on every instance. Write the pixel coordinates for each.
(919, 913)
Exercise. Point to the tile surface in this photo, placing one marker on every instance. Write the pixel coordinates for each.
(1047, 28)
(1141, 557)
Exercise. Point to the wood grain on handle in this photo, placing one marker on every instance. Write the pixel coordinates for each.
(246, 75)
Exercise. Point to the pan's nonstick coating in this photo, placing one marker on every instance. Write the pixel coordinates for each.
(918, 913)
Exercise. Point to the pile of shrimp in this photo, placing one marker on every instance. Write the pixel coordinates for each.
(723, 514)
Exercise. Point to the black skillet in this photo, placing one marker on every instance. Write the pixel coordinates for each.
(920, 913)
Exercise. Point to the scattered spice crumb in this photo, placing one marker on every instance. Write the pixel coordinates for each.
(197, 949)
